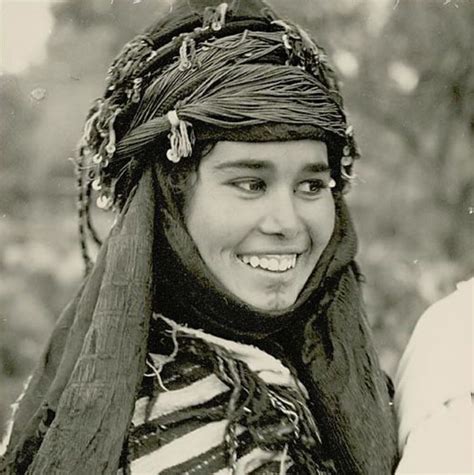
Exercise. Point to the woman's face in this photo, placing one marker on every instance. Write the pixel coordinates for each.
(260, 215)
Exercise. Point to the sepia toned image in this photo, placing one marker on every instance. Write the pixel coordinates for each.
(236, 237)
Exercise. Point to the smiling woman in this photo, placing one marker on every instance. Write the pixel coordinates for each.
(261, 215)
(221, 328)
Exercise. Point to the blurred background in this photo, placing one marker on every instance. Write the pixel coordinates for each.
(407, 77)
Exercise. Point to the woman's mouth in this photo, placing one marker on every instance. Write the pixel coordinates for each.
(270, 262)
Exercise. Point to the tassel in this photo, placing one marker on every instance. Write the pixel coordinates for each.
(181, 141)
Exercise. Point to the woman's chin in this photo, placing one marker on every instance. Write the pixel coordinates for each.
(277, 303)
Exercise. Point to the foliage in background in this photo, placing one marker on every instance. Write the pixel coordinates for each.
(408, 81)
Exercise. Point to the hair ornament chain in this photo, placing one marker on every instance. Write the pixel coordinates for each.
(214, 18)
(349, 153)
(187, 54)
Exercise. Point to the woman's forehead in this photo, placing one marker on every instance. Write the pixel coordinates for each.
(259, 155)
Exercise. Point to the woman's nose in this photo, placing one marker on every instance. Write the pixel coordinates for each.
(280, 216)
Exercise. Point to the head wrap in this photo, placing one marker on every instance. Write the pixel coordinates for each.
(233, 71)
(207, 72)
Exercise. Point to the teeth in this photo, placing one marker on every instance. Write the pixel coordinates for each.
(284, 264)
(274, 263)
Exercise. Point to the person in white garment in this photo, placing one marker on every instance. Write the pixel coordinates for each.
(434, 389)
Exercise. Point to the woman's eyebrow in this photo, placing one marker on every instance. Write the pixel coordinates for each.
(245, 164)
(319, 167)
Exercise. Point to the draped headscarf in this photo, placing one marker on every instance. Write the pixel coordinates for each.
(207, 72)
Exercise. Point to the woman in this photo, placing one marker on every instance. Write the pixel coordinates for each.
(221, 328)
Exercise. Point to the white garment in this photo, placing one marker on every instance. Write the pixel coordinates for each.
(434, 388)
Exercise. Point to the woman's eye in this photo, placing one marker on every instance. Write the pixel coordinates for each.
(311, 187)
(250, 185)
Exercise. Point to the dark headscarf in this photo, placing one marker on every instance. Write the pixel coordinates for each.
(167, 92)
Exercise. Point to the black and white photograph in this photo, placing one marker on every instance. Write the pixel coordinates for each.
(236, 237)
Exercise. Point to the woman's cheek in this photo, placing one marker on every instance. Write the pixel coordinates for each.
(321, 220)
